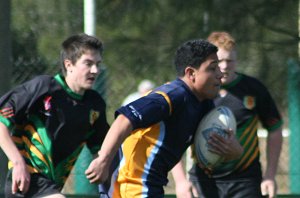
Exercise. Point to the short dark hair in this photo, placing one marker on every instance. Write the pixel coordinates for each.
(76, 45)
(192, 53)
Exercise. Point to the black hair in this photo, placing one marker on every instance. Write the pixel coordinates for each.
(192, 53)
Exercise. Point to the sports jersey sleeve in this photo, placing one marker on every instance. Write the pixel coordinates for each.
(15, 105)
(267, 110)
(155, 107)
(146, 111)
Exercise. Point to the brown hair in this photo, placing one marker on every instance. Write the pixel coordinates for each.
(76, 45)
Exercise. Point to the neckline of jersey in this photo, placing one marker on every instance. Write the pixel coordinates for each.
(234, 82)
(61, 80)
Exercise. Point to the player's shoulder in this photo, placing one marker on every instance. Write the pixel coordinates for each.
(38, 82)
(94, 96)
(175, 91)
(174, 88)
(178, 95)
(251, 80)
(41, 79)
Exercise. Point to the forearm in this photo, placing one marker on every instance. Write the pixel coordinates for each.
(183, 188)
(274, 143)
(97, 171)
(178, 172)
(9, 147)
(120, 129)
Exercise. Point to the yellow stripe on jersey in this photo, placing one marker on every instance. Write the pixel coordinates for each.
(167, 99)
(23, 153)
(34, 150)
(253, 148)
(251, 125)
(254, 155)
(138, 150)
(249, 152)
(35, 134)
(250, 137)
(29, 168)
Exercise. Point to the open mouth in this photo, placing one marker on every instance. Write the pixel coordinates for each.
(91, 78)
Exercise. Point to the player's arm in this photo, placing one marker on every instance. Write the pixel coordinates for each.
(268, 114)
(274, 143)
(183, 186)
(97, 171)
(20, 175)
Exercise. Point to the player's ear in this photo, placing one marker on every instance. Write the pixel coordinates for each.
(190, 72)
(68, 64)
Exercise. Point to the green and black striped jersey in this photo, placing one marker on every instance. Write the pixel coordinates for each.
(251, 103)
(50, 124)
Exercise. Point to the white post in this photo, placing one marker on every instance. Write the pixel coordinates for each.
(89, 17)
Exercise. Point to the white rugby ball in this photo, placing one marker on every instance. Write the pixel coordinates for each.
(218, 120)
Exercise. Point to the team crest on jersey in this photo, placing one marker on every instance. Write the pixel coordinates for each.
(249, 102)
(94, 115)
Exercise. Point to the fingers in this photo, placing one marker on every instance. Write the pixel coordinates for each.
(268, 187)
(228, 147)
(20, 185)
(228, 135)
(216, 148)
(14, 187)
(88, 172)
(218, 144)
(271, 192)
(94, 180)
(92, 177)
(264, 190)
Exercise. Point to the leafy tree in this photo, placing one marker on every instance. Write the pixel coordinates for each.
(140, 37)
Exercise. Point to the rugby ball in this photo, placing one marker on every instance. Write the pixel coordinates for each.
(218, 120)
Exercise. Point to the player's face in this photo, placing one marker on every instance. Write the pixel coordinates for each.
(227, 63)
(207, 79)
(82, 75)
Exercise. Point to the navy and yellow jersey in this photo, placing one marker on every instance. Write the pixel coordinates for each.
(50, 124)
(251, 104)
(164, 124)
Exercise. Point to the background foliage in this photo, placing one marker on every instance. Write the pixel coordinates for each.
(140, 38)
